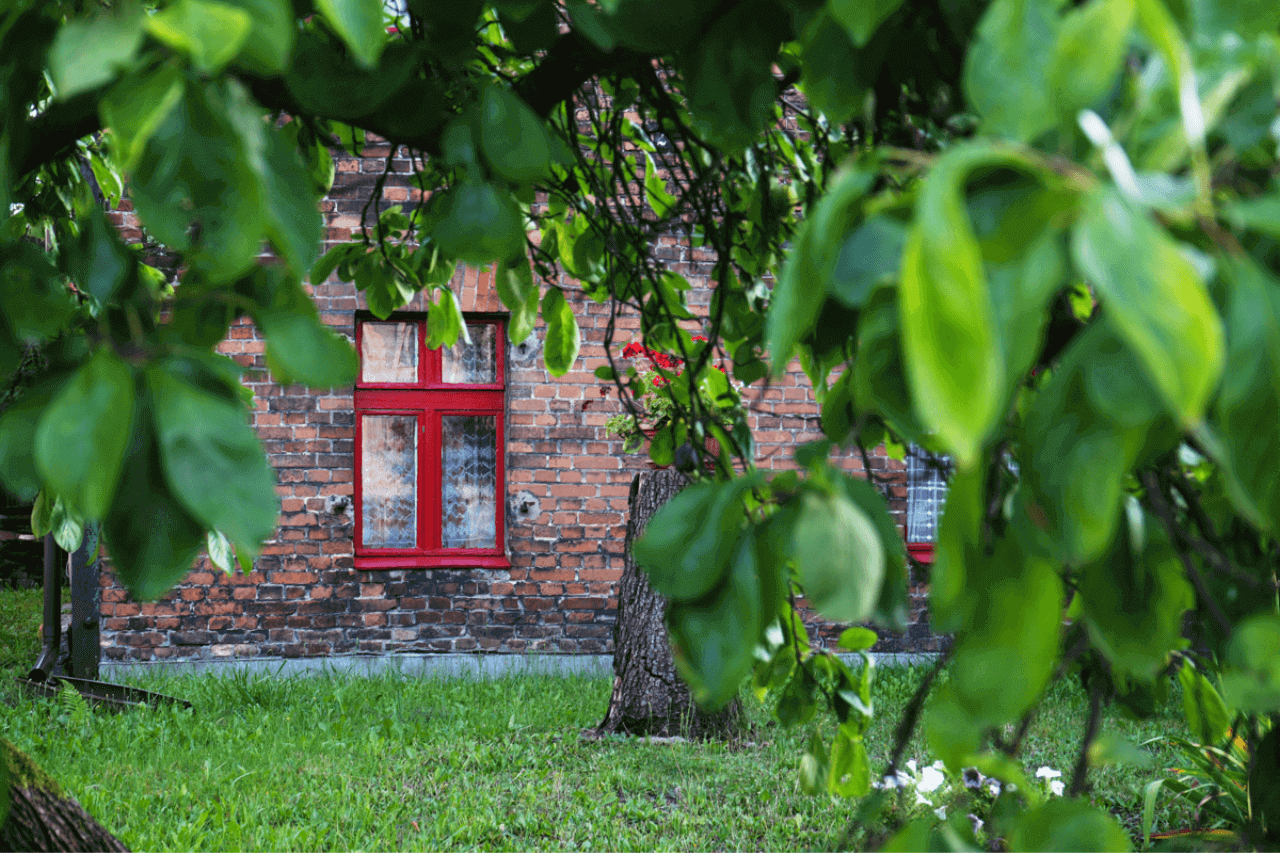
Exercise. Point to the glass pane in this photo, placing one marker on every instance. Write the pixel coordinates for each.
(389, 453)
(476, 364)
(469, 481)
(926, 494)
(389, 352)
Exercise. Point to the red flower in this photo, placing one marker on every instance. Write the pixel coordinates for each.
(632, 350)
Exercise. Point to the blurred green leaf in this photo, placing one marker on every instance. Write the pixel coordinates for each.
(1155, 299)
(840, 557)
(210, 32)
(83, 435)
(359, 24)
(90, 52)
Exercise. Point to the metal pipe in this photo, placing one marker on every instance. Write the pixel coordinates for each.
(52, 633)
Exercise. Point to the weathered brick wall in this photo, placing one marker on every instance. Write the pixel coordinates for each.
(567, 487)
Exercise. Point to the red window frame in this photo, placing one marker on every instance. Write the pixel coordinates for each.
(430, 399)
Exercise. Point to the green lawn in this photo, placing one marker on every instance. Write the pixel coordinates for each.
(340, 763)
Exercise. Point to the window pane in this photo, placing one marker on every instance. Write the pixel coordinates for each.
(389, 352)
(926, 494)
(469, 481)
(476, 364)
(389, 452)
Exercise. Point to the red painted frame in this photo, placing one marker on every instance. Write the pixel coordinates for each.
(430, 398)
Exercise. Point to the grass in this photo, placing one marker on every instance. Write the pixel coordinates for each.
(339, 762)
(19, 629)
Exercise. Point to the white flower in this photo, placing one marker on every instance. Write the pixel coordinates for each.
(931, 779)
(921, 800)
(972, 778)
(895, 780)
(1048, 773)
(938, 765)
(993, 785)
(941, 812)
(911, 765)
(1056, 787)
(977, 823)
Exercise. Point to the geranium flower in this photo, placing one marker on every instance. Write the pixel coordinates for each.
(1048, 773)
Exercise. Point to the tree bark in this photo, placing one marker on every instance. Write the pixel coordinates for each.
(41, 817)
(649, 698)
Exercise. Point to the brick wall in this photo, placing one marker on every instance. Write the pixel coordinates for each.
(567, 487)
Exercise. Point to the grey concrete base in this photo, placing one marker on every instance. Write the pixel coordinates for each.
(476, 666)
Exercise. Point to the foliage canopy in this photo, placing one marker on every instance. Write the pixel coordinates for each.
(1038, 237)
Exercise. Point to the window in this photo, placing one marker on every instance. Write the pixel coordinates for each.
(926, 496)
(429, 446)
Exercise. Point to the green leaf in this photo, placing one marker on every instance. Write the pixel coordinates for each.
(481, 222)
(953, 352)
(588, 21)
(689, 543)
(219, 550)
(1251, 675)
(514, 282)
(861, 17)
(512, 137)
(869, 257)
(856, 639)
(293, 222)
(1154, 297)
(950, 730)
(331, 260)
(83, 435)
(891, 607)
(136, 106)
(850, 773)
(1006, 73)
(879, 376)
(154, 556)
(199, 178)
(840, 557)
(210, 32)
(87, 53)
(1206, 713)
(359, 24)
(34, 299)
(714, 635)
(444, 321)
(1067, 825)
(18, 435)
(831, 64)
(660, 201)
(1088, 53)
(299, 347)
(810, 267)
(213, 461)
(560, 349)
(1005, 656)
(42, 514)
(1135, 603)
(100, 265)
(66, 526)
(729, 75)
(267, 49)
(1247, 410)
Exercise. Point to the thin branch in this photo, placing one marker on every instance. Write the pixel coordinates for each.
(1080, 774)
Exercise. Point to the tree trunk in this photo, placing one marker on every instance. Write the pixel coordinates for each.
(41, 817)
(648, 696)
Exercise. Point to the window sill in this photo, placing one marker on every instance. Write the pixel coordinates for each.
(922, 551)
(437, 561)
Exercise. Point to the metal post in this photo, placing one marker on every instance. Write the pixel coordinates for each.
(86, 597)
